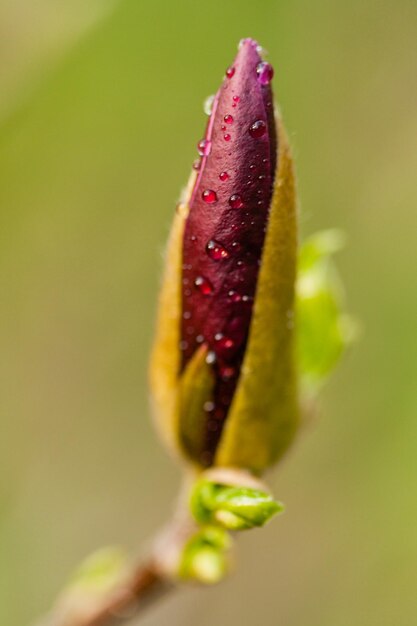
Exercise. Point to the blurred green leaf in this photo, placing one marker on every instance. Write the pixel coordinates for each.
(323, 329)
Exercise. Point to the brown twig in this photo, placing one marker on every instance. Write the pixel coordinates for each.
(141, 587)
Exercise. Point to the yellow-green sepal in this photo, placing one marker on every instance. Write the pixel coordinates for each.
(264, 415)
(196, 385)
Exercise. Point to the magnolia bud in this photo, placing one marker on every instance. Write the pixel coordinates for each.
(222, 371)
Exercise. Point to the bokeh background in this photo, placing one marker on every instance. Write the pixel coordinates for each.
(100, 111)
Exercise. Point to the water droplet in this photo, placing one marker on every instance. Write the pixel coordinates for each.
(204, 147)
(223, 344)
(227, 372)
(211, 357)
(236, 99)
(204, 286)
(220, 413)
(228, 119)
(230, 71)
(236, 201)
(234, 296)
(249, 41)
(257, 129)
(183, 345)
(261, 51)
(212, 426)
(261, 177)
(209, 196)
(197, 164)
(186, 315)
(209, 406)
(199, 338)
(216, 250)
(193, 238)
(208, 105)
(227, 137)
(223, 127)
(265, 72)
(247, 299)
(223, 176)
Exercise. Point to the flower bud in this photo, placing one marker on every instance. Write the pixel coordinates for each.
(222, 371)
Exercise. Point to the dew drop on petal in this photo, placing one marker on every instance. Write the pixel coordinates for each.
(208, 105)
(203, 285)
(223, 176)
(213, 425)
(230, 72)
(234, 296)
(227, 137)
(236, 99)
(228, 119)
(235, 201)
(227, 372)
(209, 196)
(211, 357)
(216, 250)
(223, 344)
(197, 164)
(265, 72)
(257, 129)
(204, 147)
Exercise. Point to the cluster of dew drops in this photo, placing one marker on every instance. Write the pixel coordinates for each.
(214, 249)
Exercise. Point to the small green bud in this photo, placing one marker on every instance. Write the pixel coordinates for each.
(204, 556)
(233, 507)
(100, 571)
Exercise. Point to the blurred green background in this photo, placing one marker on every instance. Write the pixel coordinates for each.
(101, 108)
